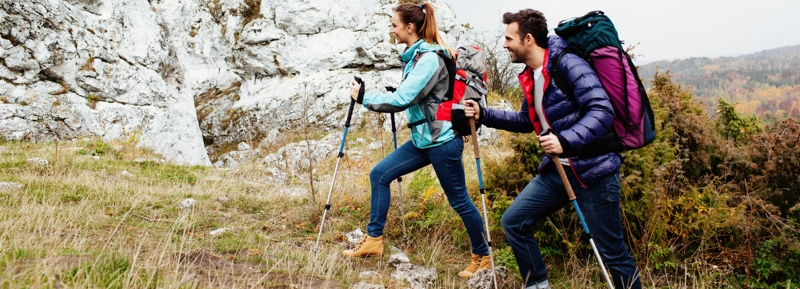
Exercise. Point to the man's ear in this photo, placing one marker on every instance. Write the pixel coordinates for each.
(528, 41)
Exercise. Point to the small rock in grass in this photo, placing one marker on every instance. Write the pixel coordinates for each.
(355, 236)
(187, 203)
(4, 186)
(397, 259)
(375, 146)
(367, 274)
(39, 161)
(218, 232)
(365, 285)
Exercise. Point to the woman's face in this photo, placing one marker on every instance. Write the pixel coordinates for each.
(400, 29)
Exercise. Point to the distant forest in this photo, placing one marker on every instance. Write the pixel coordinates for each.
(766, 83)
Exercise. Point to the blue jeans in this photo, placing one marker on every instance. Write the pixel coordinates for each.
(446, 161)
(600, 205)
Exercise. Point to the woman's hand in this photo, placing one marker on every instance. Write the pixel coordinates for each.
(354, 88)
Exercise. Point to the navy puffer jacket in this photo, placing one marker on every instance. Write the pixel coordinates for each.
(577, 120)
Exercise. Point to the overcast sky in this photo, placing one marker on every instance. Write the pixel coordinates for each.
(665, 29)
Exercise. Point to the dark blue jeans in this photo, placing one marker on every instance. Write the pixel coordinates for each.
(600, 205)
(446, 161)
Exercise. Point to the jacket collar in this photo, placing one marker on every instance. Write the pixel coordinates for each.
(526, 76)
(420, 47)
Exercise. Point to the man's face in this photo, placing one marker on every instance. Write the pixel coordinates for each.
(515, 44)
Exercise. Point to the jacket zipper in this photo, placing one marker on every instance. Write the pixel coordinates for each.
(546, 76)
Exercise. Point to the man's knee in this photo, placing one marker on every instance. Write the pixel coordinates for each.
(507, 222)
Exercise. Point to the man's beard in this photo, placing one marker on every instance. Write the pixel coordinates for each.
(514, 57)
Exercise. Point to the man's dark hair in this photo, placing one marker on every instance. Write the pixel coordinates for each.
(530, 22)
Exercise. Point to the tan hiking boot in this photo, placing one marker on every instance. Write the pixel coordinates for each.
(477, 263)
(368, 247)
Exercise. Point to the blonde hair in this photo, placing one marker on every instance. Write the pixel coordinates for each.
(425, 22)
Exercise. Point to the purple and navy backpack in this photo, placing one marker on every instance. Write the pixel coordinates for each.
(594, 38)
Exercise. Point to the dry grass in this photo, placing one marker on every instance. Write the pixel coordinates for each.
(214, 8)
(89, 65)
(249, 10)
(80, 223)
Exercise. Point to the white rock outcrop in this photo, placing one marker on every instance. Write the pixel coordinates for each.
(295, 64)
(102, 68)
(186, 77)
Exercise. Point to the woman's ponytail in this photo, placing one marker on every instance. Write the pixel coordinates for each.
(423, 17)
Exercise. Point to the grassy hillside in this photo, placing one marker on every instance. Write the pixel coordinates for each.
(710, 204)
(765, 83)
(107, 216)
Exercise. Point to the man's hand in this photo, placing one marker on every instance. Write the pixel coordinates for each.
(354, 87)
(472, 109)
(550, 144)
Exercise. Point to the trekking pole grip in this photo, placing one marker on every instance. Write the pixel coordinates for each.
(353, 102)
(561, 173)
(475, 150)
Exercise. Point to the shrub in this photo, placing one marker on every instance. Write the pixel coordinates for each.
(95, 147)
(92, 99)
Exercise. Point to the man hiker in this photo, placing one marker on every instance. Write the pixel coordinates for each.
(566, 126)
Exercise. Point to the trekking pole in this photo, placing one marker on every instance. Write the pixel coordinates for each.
(477, 154)
(400, 178)
(336, 170)
(572, 198)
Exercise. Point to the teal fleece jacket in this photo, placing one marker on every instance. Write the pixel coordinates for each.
(423, 77)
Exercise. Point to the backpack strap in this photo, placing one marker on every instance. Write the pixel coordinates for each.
(472, 84)
(646, 108)
(450, 65)
(559, 77)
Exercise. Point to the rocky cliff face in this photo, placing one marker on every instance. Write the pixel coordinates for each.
(188, 75)
(95, 68)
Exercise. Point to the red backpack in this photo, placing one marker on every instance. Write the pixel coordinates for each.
(467, 81)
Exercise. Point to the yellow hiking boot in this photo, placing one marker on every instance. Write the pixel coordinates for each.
(368, 247)
(477, 263)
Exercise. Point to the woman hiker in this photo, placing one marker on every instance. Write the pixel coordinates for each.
(432, 142)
